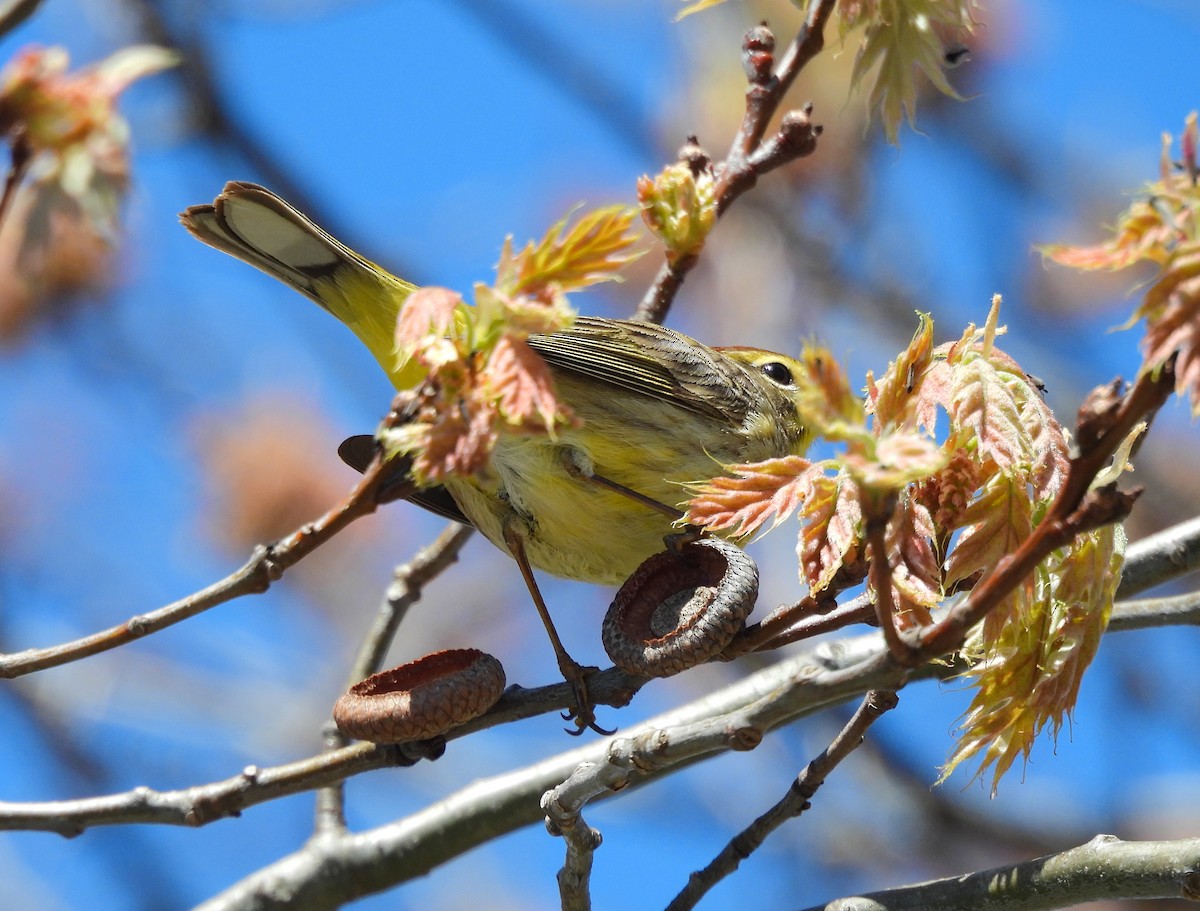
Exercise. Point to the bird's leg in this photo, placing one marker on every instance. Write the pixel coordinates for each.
(573, 672)
(674, 542)
(573, 464)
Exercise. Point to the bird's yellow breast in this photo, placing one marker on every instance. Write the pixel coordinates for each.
(574, 528)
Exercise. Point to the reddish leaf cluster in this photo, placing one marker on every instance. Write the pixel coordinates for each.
(70, 152)
(956, 502)
(1161, 227)
(476, 376)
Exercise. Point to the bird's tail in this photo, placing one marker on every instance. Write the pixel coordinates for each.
(253, 224)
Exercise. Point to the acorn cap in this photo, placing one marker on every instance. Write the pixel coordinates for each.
(422, 699)
(680, 608)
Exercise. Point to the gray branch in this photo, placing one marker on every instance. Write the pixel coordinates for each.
(1104, 869)
(329, 871)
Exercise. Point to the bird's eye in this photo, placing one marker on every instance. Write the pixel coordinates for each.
(778, 372)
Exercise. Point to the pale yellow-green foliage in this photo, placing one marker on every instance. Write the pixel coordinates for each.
(964, 498)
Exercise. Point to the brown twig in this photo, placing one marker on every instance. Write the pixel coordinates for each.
(407, 584)
(876, 514)
(265, 566)
(206, 803)
(795, 802)
(21, 156)
(816, 612)
(750, 155)
(764, 95)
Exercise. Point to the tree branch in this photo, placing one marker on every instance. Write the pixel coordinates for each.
(266, 565)
(795, 802)
(1104, 869)
(827, 674)
(750, 156)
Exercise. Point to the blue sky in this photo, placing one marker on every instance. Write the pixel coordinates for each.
(425, 138)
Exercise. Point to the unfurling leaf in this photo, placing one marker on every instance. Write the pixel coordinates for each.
(498, 314)
(826, 404)
(752, 495)
(901, 38)
(1028, 673)
(523, 386)
(998, 520)
(679, 207)
(948, 493)
(471, 372)
(916, 570)
(996, 413)
(898, 459)
(425, 319)
(985, 408)
(893, 399)
(1160, 227)
(565, 260)
(1175, 332)
(831, 531)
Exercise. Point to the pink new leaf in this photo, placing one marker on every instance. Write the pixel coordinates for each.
(916, 571)
(831, 529)
(981, 403)
(752, 495)
(1176, 333)
(521, 382)
(427, 315)
(997, 522)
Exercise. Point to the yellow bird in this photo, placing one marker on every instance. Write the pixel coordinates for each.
(658, 409)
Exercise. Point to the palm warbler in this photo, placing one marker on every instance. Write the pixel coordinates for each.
(657, 409)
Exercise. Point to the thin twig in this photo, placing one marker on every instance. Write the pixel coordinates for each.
(329, 816)
(876, 514)
(405, 590)
(860, 609)
(763, 99)
(407, 584)
(265, 566)
(206, 803)
(750, 156)
(874, 705)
